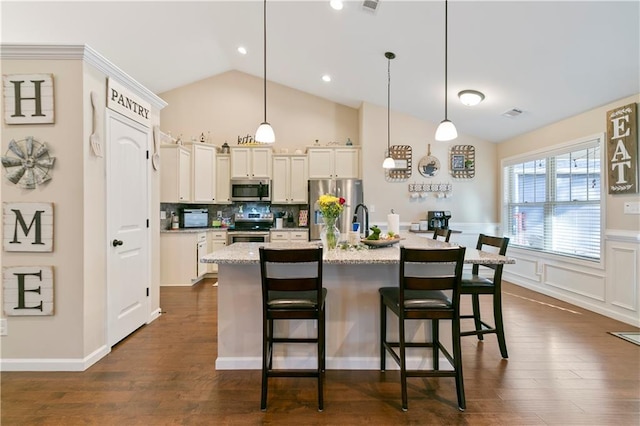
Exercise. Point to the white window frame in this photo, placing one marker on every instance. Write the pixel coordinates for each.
(555, 150)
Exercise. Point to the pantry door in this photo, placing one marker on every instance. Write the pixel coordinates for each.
(128, 274)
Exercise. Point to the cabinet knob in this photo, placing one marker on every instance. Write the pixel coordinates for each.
(116, 243)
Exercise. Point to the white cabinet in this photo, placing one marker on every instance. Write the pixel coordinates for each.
(179, 257)
(175, 174)
(223, 181)
(334, 163)
(250, 163)
(203, 184)
(216, 241)
(280, 236)
(290, 175)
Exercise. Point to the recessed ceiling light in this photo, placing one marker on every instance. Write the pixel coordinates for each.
(242, 50)
(470, 97)
(326, 78)
(336, 4)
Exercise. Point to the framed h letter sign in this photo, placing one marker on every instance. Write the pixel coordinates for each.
(28, 98)
(27, 227)
(27, 290)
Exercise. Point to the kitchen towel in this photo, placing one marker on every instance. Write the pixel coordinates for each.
(393, 223)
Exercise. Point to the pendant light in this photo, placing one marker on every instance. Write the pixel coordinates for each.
(265, 133)
(446, 131)
(389, 162)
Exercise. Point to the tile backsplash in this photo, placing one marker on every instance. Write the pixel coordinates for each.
(290, 212)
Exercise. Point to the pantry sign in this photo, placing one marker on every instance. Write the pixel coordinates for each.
(123, 100)
(622, 149)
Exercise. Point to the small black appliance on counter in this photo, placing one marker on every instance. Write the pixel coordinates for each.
(438, 219)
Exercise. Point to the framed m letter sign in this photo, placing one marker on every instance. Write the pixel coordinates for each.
(27, 290)
(27, 227)
(622, 150)
(28, 98)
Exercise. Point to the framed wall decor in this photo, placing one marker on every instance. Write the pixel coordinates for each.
(402, 155)
(462, 161)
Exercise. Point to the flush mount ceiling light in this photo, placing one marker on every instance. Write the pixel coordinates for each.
(470, 97)
(389, 162)
(336, 4)
(242, 50)
(265, 133)
(446, 131)
(326, 78)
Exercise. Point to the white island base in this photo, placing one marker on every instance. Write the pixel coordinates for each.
(352, 280)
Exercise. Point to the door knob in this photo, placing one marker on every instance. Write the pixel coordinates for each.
(116, 243)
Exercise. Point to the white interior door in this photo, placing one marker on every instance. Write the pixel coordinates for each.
(128, 275)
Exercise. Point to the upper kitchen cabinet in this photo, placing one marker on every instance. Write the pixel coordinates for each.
(203, 184)
(250, 163)
(223, 181)
(175, 174)
(332, 162)
(290, 174)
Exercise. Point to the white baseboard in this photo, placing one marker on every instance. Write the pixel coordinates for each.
(332, 363)
(54, 364)
(154, 315)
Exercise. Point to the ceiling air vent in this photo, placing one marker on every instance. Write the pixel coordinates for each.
(370, 5)
(512, 113)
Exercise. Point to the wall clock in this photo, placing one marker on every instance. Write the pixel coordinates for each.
(27, 163)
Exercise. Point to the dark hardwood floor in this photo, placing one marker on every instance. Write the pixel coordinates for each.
(563, 369)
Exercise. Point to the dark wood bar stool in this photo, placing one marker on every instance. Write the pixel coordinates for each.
(476, 284)
(425, 292)
(442, 234)
(292, 290)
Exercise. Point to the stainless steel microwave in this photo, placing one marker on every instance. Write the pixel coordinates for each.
(250, 190)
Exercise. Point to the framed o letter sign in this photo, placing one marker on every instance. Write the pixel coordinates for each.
(27, 227)
(28, 98)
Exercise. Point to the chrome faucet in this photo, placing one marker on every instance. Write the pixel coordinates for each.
(366, 217)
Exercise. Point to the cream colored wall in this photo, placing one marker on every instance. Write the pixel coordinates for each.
(60, 335)
(231, 105)
(579, 126)
(474, 200)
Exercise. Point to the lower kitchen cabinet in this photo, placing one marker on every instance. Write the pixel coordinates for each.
(215, 241)
(179, 255)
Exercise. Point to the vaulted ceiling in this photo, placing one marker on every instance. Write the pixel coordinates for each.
(550, 59)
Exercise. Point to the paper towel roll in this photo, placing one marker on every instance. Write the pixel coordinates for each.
(393, 223)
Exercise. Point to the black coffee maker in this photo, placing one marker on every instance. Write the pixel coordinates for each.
(438, 219)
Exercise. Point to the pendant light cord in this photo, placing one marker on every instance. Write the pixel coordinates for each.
(265, 60)
(389, 105)
(446, 49)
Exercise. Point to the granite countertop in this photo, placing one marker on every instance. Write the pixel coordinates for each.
(247, 253)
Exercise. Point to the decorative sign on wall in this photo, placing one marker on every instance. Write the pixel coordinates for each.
(28, 98)
(27, 290)
(27, 227)
(622, 150)
(402, 155)
(27, 163)
(122, 100)
(462, 161)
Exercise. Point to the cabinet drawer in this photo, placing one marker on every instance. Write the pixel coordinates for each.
(219, 235)
(300, 236)
(279, 236)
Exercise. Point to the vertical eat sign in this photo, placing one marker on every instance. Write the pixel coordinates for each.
(622, 150)
(28, 98)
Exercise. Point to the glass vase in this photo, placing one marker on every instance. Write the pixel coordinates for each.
(330, 234)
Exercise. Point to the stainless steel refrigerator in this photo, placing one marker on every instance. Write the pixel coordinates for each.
(349, 189)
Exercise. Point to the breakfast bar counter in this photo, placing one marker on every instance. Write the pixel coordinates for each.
(352, 278)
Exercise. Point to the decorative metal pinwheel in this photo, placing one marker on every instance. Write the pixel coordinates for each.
(27, 163)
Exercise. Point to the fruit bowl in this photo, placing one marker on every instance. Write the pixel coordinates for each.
(380, 243)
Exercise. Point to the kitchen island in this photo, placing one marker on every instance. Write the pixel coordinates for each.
(352, 278)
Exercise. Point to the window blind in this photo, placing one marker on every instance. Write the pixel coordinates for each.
(553, 201)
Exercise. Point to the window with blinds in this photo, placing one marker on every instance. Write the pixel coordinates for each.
(553, 201)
